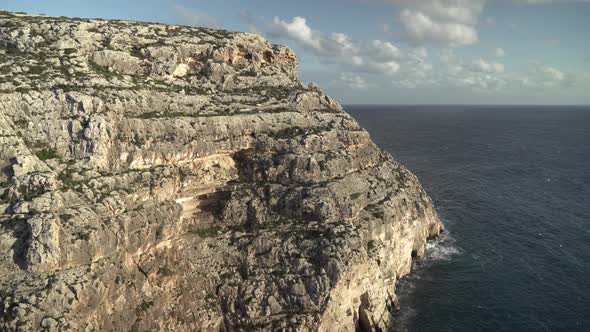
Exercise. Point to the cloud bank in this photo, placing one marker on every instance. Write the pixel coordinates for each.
(376, 56)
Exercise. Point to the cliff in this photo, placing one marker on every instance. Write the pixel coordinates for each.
(159, 177)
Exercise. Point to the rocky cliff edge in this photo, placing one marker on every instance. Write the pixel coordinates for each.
(160, 177)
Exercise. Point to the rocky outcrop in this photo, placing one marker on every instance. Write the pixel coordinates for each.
(159, 177)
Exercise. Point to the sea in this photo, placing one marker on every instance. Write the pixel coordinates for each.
(512, 187)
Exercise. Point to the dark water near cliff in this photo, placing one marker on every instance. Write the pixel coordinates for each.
(512, 186)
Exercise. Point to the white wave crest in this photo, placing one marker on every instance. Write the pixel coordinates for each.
(443, 248)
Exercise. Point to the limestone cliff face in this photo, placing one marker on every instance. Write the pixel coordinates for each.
(167, 178)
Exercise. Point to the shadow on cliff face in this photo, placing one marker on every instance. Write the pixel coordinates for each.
(8, 169)
(214, 202)
(22, 232)
(19, 227)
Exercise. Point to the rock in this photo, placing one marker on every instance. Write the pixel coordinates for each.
(117, 61)
(159, 177)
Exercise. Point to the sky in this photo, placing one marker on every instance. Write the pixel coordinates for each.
(508, 52)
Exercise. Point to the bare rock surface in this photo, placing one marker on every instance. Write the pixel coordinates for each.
(168, 178)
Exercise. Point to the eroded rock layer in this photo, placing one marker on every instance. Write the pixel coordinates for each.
(167, 178)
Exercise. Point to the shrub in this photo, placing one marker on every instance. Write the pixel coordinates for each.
(46, 154)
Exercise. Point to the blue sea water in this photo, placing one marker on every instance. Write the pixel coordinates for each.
(512, 186)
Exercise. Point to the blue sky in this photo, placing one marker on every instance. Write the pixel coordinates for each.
(397, 51)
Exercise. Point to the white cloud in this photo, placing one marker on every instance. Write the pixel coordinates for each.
(482, 66)
(419, 53)
(376, 57)
(300, 32)
(380, 50)
(551, 74)
(541, 76)
(416, 70)
(297, 30)
(488, 75)
(499, 52)
(466, 77)
(459, 11)
(418, 75)
(479, 75)
(483, 83)
(186, 16)
(447, 56)
(478, 81)
(422, 27)
(353, 81)
(449, 22)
